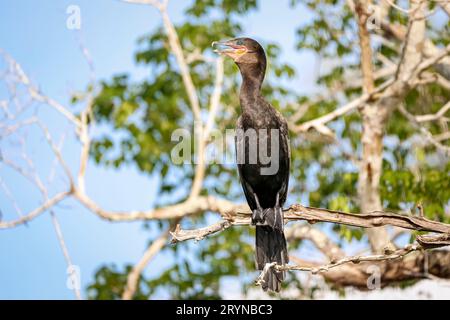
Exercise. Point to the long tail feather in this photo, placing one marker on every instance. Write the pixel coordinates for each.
(271, 247)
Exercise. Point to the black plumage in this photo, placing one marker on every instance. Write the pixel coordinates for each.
(265, 193)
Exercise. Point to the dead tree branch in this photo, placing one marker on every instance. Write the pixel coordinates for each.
(150, 253)
(312, 215)
(353, 259)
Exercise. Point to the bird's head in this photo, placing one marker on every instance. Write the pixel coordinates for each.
(241, 50)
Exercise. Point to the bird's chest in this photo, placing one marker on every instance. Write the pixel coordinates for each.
(258, 120)
(259, 148)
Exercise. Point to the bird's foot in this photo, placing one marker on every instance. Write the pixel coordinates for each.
(278, 216)
(278, 222)
(258, 217)
(273, 218)
(263, 218)
(259, 214)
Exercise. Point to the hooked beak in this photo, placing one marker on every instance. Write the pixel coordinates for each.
(229, 48)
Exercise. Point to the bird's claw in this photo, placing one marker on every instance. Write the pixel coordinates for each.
(272, 217)
(258, 216)
(278, 219)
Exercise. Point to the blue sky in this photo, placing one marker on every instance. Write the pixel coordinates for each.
(35, 34)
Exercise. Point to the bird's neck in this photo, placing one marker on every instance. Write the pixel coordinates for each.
(252, 79)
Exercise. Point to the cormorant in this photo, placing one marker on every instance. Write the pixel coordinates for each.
(265, 191)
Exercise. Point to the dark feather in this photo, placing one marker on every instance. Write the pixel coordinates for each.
(258, 114)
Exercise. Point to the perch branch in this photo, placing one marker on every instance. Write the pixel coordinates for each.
(314, 215)
(400, 253)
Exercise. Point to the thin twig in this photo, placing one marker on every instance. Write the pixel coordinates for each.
(347, 260)
(62, 243)
(133, 276)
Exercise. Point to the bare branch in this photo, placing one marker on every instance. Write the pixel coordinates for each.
(434, 140)
(445, 5)
(85, 145)
(361, 8)
(11, 198)
(442, 136)
(175, 47)
(157, 4)
(57, 153)
(237, 216)
(35, 92)
(347, 260)
(133, 276)
(179, 235)
(189, 207)
(399, 32)
(319, 123)
(36, 212)
(365, 220)
(433, 59)
(434, 117)
(260, 280)
(183, 64)
(65, 251)
(11, 129)
(205, 132)
(433, 241)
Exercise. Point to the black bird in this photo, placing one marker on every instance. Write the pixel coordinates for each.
(265, 191)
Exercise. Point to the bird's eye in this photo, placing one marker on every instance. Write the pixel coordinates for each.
(239, 42)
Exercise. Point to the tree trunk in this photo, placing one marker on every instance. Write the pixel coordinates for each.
(374, 122)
